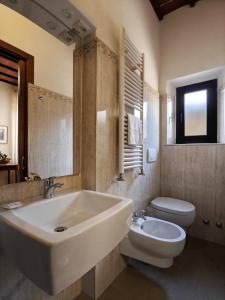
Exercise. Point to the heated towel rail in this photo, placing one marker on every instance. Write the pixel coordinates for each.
(131, 89)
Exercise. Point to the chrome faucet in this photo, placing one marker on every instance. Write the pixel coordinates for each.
(138, 214)
(50, 186)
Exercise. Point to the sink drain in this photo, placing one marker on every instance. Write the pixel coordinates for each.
(60, 228)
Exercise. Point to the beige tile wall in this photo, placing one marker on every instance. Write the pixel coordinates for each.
(99, 70)
(196, 173)
(50, 133)
(143, 188)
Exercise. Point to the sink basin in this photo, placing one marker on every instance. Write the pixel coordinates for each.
(54, 242)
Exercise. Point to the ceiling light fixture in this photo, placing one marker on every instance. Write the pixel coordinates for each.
(51, 25)
(66, 13)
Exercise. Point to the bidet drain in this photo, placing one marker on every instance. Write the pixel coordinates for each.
(60, 228)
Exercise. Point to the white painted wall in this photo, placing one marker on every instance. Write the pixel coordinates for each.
(53, 59)
(53, 68)
(6, 93)
(138, 19)
(192, 40)
(7, 98)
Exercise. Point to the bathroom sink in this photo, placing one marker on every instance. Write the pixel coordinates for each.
(55, 242)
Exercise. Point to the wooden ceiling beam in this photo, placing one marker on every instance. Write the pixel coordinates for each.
(192, 2)
(156, 7)
(8, 79)
(164, 7)
(8, 72)
(8, 63)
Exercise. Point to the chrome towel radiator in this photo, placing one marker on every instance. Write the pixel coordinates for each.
(131, 92)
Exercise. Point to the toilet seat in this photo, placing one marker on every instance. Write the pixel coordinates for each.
(173, 206)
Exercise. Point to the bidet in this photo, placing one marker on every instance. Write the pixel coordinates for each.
(154, 241)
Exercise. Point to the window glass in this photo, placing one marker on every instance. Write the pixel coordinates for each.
(195, 113)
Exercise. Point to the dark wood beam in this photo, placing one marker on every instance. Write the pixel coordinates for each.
(192, 2)
(156, 7)
(8, 79)
(8, 63)
(8, 72)
(165, 7)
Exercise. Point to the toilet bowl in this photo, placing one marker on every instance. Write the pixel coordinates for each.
(173, 210)
(156, 242)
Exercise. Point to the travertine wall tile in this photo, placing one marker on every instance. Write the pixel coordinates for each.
(106, 117)
(108, 269)
(88, 155)
(50, 133)
(196, 173)
(104, 146)
(100, 129)
(143, 188)
(139, 188)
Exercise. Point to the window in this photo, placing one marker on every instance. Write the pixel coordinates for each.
(196, 116)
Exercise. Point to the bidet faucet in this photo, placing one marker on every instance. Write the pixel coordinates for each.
(138, 214)
(50, 186)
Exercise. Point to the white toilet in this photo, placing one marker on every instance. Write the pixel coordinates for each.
(154, 241)
(173, 210)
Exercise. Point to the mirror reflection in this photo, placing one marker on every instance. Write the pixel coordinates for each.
(8, 127)
(36, 101)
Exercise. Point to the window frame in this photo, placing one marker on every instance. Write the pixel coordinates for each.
(211, 136)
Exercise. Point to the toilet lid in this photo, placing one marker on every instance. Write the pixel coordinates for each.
(172, 205)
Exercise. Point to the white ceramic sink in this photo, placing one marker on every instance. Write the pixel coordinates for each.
(95, 223)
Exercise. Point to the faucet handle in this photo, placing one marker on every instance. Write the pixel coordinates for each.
(51, 180)
(142, 212)
(46, 180)
(135, 216)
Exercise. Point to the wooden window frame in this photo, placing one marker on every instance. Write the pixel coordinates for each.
(211, 136)
(26, 75)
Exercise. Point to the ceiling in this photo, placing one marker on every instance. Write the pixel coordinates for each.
(164, 7)
(60, 18)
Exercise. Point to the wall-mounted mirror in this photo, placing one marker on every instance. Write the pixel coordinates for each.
(36, 88)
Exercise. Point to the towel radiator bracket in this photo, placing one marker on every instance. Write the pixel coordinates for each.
(121, 177)
(142, 173)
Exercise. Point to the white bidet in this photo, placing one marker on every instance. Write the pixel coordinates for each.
(154, 241)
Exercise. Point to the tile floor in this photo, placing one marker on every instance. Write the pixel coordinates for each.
(197, 274)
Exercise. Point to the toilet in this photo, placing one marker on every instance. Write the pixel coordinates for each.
(173, 210)
(156, 242)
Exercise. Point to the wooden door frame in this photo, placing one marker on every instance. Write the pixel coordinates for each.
(26, 76)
